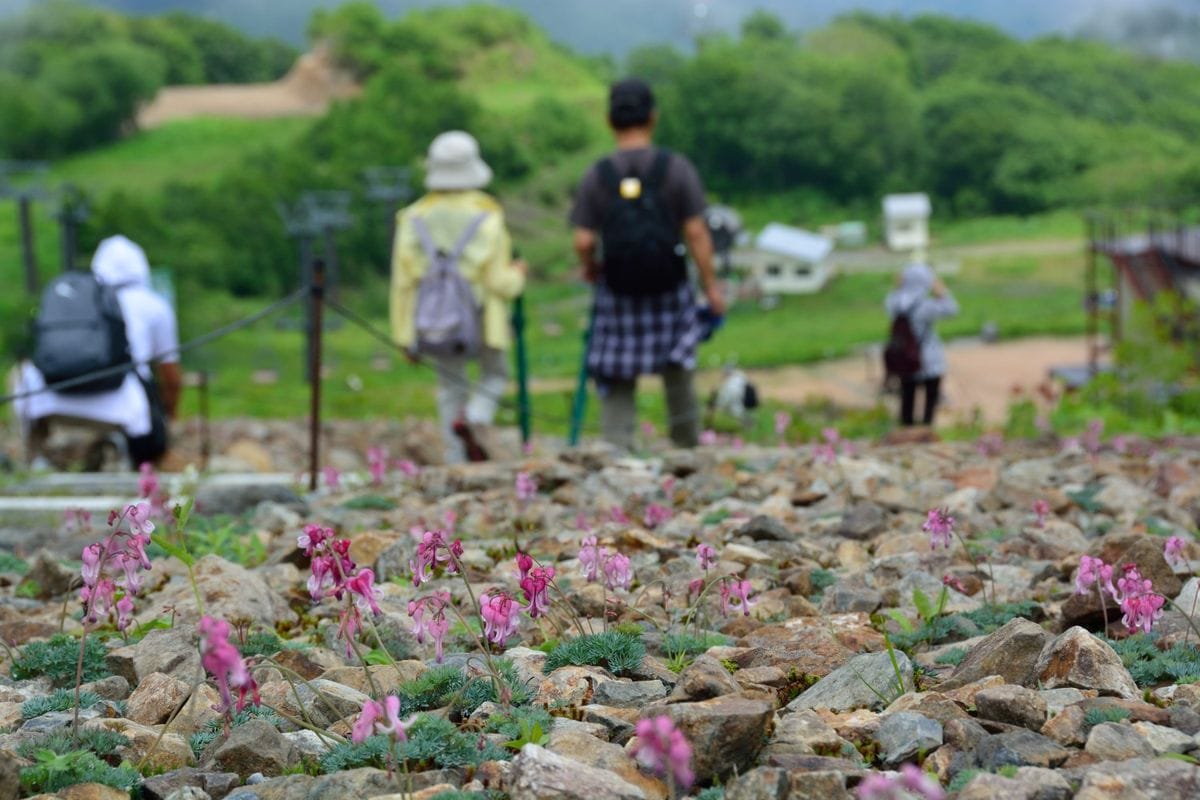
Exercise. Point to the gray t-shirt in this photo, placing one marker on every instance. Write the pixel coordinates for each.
(681, 190)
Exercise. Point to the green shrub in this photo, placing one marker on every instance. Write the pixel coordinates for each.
(10, 563)
(56, 659)
(450, 686)
(965, 625)
(619, 653)
(100, 741)
(692, 644)
(432, 742)
(52, 771)
(712, 793)
(260, 643)
(200, 740)
(1097, 716)
(1148, 665)
(62, 700)
(954, 656)
(369, 502)
(512, 721)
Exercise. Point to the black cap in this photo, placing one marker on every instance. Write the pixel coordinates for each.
(630, 103)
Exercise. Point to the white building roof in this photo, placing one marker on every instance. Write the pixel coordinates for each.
(906, 205)
(797, 243)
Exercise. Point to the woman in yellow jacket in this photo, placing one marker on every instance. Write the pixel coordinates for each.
(455, 175)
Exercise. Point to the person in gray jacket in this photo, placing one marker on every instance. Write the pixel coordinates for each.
(925, 299)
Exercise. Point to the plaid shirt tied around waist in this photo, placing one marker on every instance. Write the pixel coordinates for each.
(634, 336)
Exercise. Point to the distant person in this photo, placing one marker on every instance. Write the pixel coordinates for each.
(915, 354)
(634, 212)
(78, 333)
(453, 279)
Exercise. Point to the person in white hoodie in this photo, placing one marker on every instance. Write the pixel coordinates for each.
(149, 395)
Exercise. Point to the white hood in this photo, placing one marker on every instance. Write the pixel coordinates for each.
(120, 262)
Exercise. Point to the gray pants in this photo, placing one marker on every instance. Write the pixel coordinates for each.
(474, 404)
(618, 412)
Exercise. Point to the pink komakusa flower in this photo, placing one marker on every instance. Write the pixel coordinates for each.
(590, 554)
(225, 664)
(432, 552)
(366, 594)
(990, 444)
(77, 520)
(1141, 607)
(617, 574)
(695, 587)
(737, 443)
(407, 468)
(581, 522)
(617, 515)
(783, 421)
(734, 591)
(664, 750)
(526, 487)
(501, 616)
(525, 563)
(381, 718)
(332, 477)
(377, 464)
(429, 618)
(911, 782)
(535, 585)
(708, 438)
(116, 562)
(706, 556)
(1173, 552)
(147, 480)
(648, 429)
(1091, 439)
(668, 485)
(1093, 572)
(1041, 510)
(955, 583)
(940, 527)
(138, 518)
(656, 515)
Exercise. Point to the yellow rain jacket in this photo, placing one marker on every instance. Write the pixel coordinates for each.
(486, 262)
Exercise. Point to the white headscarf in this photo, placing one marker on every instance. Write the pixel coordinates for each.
(121, 262)
(915, 284)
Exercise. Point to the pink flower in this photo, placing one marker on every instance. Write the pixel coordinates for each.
(435, 624)
(1141, 607)
(122, 556)
(1091, 437)
(783, 421)
(954, 583)
(656, 515)
(990, 444)
(617, 573)
(940, 527)
(708, 438)
(124, 611)
(664, 750)
(668, 485)
(147, 480)
(525, 563)
(617, 514)
(590, 555)
(382, 718)
(1093, 571)
(501, 616)
(432, 552)
(407, 468)
(138, 518)
(77, 520)
(648, 430)
(1041, 509)
(706, 556)
(535, 587)
(1173, 552)
(695, 587)
(581, 522)
(92, 556)
(332, 477)
(738, 592)
(526, 487)
(366, 594)
(377, 464)
(737, 443)
(910, 782)
(225, 664)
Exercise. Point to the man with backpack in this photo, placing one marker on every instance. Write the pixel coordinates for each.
(110, 342)
(637, 213)
(914, 353)
(453, 280)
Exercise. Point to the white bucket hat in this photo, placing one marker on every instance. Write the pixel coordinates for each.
(454, 163)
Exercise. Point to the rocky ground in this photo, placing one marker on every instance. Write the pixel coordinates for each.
(849, 663)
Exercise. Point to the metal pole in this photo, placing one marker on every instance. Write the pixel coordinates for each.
(306, 265)
(579, 405)
(25, 204)
(1090, 292)
(314, 406)
(205, 435)
(523, 407)
(68, 243)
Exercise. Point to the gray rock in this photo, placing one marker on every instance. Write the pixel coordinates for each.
(763, 528)
(963, 734)
(1141, 778)
(355, 783)
(308, 744)
(114, 687)
(1011, 652)
(215, 784)
(1019, 748)
(862, 521)
(628, 694)
(1163, 739)
(760, 783)
(858, 684)
(325, 701)
(618, 725)
(1014, 705)
(905, 734)
(1077, 658)
(803, 732)
(1058, 699)
(171, 651)
(56, 721)
(10, 778)
(1112, 741)
(156, 698)
(849, 596)
(189, 793)
(704, 678)
(538, 773)
(230, 591)
(1044, 784)
(239, 499)
(726, 733)
(254, 746)
(48, 577)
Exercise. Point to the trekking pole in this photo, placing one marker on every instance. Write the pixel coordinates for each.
(317, 289)
(579, 405)
(523, 405)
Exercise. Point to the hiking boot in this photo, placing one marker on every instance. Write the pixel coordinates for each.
(474, 449)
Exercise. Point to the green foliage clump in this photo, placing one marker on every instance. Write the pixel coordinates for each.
(619, 653)
(450, 686)
(1149, 665)
(100, 741)
(964, 625)
(822, 579)
(62, 700)
(712, 793)
(231, 538)
(1097, 716)
(11, 563)
(692, 644)
(432, 742)
(57, 658)
(52, 772)
(260, 643)
(369, 502)
(200, 740)
(959, 781)
(954, 656)
(513, 721)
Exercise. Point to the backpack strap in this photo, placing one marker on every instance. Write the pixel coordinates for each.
(432, 251)
(426, 240)
(658, 169)
(467, 235)
(609, 176)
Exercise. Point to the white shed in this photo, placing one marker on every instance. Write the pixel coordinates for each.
(787, 260)
(906, 221)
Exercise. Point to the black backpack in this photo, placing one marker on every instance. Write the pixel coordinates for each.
(80, 330)
(642, 251)
(750, 397)
(902, 355)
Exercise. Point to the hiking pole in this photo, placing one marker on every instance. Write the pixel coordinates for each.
(523, 406)
(579, 405)
(317, 290)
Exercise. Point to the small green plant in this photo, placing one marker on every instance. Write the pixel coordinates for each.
(11, 563)
(959, 781)
(200, 740)
(56, 659)
(822, 579)
(369, 502)
(953, 657)
(530, 733)
(432, 742)
(100, 741)
(61, 700)
(231, 538)
(450, 686)
(260, 643)
(511, 721)
(1148, 665)
(619, 653)
(678, 662)
(716, 517)
(692, 644)
(1102, 714)
(712, 793)
(53, 771)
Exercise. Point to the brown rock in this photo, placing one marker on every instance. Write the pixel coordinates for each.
(1077, 658)
(1011, 652)
(1014, 705)
(386, 676)
(155, 698)
(1068, 727)
(92, 791)
(366, 547)
(726, 733)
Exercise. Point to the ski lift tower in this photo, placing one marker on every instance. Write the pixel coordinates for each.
(25, 181)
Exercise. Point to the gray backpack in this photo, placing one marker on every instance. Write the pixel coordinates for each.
(447, 316)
